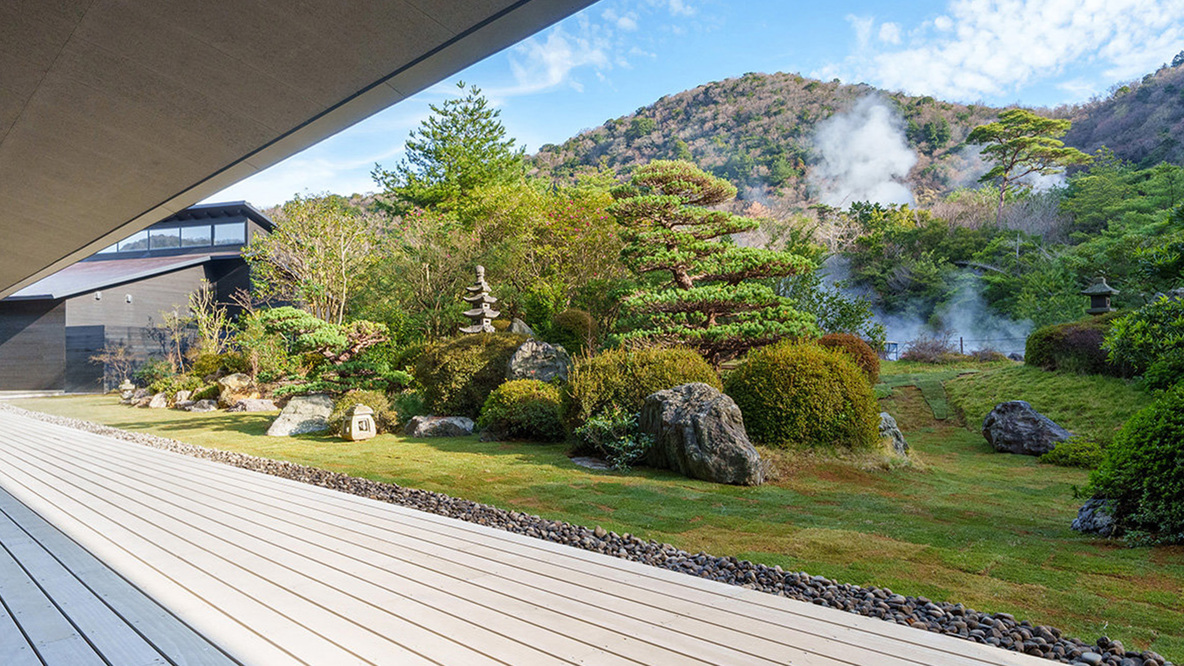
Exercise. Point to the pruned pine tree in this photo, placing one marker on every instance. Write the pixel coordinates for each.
(714, 301)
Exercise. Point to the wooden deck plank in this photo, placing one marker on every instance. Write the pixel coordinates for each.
(178, 643)
(50, 634)
(14, 648)
(577, 606)
(106, 631)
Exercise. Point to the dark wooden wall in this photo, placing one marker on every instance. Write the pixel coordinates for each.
(82, 374)
(32, 345)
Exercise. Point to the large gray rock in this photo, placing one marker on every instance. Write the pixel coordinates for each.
(439, 426)
(158, 401)
(539, 360)
(303, 414)
(520, 327)
(206, 405)
(889, 430)
(235, 387)
(182, 396)
(699, 432)
(1094, 517)
(253, 405)
(1014, 427)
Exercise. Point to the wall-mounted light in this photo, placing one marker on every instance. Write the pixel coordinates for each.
(128, 298)
(98, 295)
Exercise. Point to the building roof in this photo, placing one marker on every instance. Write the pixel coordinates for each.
(115, 115)
(88, 276)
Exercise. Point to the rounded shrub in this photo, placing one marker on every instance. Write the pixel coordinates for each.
(801, 394)
(151, 371)
(523, 409)
(1073, 347)
(574, 329)
(623, 378)
(384, 417)
(171, 384)
(218, 365)
(860, 352)
(457, 375)
(1140, 473)
(1076, 451)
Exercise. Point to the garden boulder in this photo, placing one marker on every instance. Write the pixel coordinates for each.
(1094, 517)
(889, 430)
(539, 360)
(158, 401)
(699, 432)
(1014, 427)
(520, 327)
(439, 426)
(235, 387)
(303, 414)
(202, 406)
(253, 405)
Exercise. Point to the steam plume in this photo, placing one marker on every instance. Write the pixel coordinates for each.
(865, 156)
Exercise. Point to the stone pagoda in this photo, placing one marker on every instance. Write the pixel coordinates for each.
(482, 312)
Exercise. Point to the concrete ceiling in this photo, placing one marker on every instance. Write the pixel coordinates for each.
(115, 114)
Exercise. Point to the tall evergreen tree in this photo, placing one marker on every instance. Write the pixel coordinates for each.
(714, 301)
(461, 146)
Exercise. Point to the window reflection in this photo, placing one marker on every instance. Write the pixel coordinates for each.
(163, 239)
(195, 236)
(234, 233)
(137, 241)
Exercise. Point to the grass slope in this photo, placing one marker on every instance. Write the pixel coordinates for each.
(969, 525)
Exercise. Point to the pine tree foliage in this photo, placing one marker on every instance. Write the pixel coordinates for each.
(714, 301)
(461, 146)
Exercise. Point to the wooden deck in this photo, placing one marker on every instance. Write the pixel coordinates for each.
(278, 572)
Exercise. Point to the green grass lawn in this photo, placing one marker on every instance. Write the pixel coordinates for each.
(965, 525)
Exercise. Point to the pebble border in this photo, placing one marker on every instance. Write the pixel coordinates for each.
(998, 629)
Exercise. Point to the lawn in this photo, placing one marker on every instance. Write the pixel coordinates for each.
(965, 525)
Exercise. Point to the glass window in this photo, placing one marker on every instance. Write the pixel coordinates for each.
(195, 236)
(108, 249)
(137, 241)
(163, 239)
(232, 233)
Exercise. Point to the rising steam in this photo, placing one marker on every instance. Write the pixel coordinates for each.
(864, 156)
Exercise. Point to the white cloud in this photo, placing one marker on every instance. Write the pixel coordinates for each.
(626, 21)
(542, 64)
(992, 48)
(680, 8)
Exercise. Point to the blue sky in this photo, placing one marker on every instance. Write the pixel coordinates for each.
(618, 55)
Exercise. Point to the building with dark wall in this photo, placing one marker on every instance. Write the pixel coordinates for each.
(50, 330)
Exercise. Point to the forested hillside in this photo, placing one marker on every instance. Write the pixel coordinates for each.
(759, 132)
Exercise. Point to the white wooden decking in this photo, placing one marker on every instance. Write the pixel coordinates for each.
(278, 572)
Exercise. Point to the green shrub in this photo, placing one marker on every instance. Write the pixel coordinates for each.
(1140, 473)
(207, 392)
(384, 418)
(407, 405)
(1151, 335)
(1166, 371)
(800, 394)
(523, 409)
(859, 351)
(623, 378)
(574, 330)
(151, 371)
(1075, 452)
(228, 363)
(459, 374)
(614, 434)
(1073, 347)
(170, 385)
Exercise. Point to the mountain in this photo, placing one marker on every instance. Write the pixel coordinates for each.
(760, 132)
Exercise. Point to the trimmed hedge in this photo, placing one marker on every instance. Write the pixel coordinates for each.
(624, 378)
(1140, 473)
(1075, 452)
(384, 417)
(524, 409)
(459, 374)
(574, 329)
(800, 394)
(1073, 347)
(860, 352)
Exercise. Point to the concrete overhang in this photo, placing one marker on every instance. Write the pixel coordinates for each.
(115, 114)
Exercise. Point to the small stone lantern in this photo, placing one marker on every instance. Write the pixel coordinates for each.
(359, 424)
(482, 313)
(1099, 296)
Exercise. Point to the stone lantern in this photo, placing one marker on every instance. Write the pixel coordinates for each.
(358, 424)
(482, 313)
(1099, 296)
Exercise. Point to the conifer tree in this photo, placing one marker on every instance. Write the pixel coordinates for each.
(714, 301)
